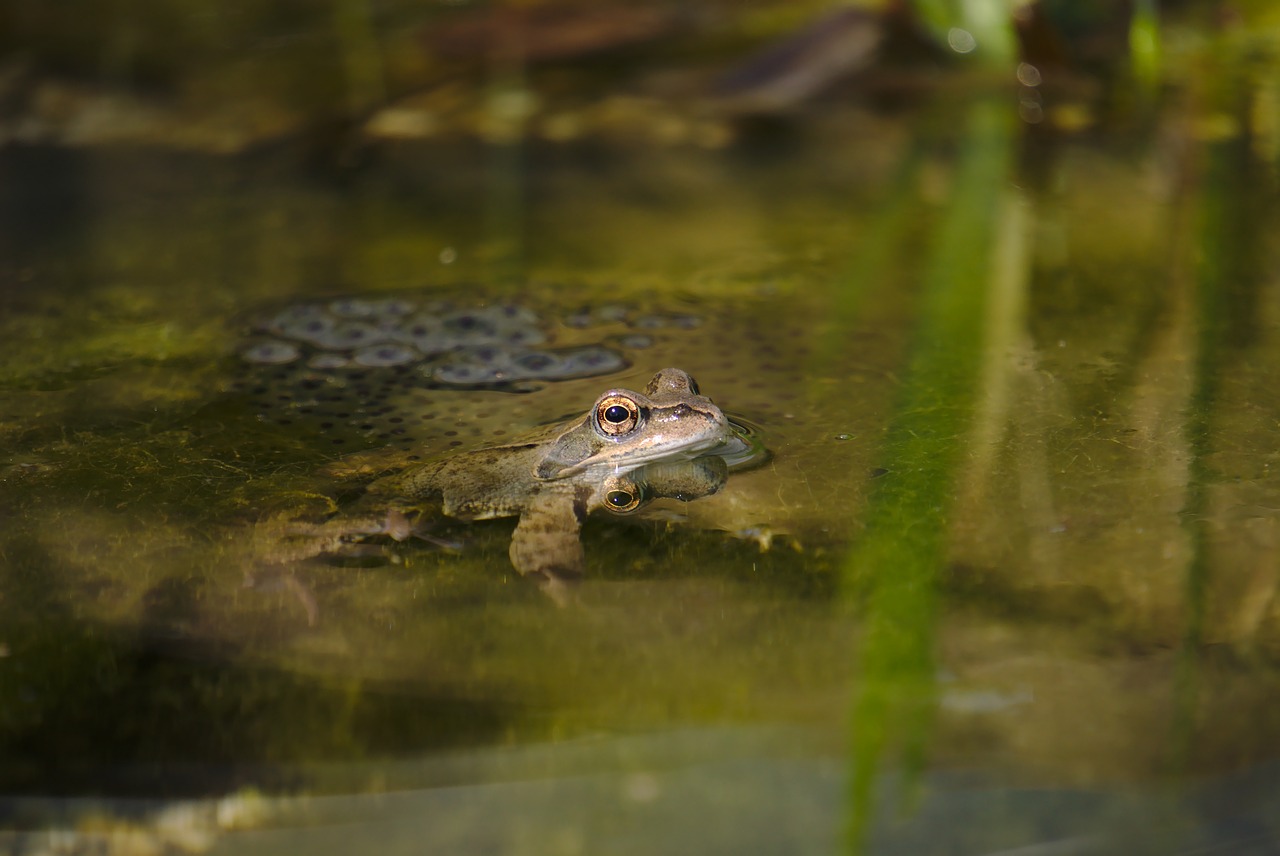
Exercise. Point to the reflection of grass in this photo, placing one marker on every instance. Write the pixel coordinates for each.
(1217, 219)
(897, 559)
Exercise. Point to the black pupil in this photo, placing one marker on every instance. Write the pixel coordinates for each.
(616, 414)
(618, 498)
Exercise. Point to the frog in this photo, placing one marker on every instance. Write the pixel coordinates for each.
(626, 450)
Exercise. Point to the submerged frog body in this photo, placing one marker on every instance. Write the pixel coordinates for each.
(630, 447)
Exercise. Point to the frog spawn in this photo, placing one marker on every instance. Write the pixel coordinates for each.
(389, 368)
(489, 346)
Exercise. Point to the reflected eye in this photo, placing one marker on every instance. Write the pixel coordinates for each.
(621, 494)
(622, 500)
(617, 415)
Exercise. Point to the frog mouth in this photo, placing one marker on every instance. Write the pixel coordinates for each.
(740, 443)
(685, 451)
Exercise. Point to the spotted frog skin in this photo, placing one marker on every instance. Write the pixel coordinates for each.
(629, 448)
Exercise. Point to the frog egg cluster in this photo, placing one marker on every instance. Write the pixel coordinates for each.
(615, 314)
(493, 345)
(483, 366)
(489, 345)
(389, 369)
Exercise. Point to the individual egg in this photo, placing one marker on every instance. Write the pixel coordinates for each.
(305, 326)
(351, 307)
(536, 364)
(349, 335)
(271, 352)
(424, 332)
(685, 321)
(589, 361)
(392, 307)
(469, 324)
(523, 336)
(466, 374)
(386, 354)
(509, 315)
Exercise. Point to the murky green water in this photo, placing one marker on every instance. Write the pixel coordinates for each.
(1008, 578)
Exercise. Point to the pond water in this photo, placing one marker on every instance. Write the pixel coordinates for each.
(1002, 573)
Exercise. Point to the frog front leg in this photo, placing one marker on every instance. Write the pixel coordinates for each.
(546, 544)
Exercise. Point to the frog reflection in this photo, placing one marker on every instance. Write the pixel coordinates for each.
(627, 450)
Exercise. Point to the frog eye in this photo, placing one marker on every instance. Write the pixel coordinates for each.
(617, 415)
(622, 500)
